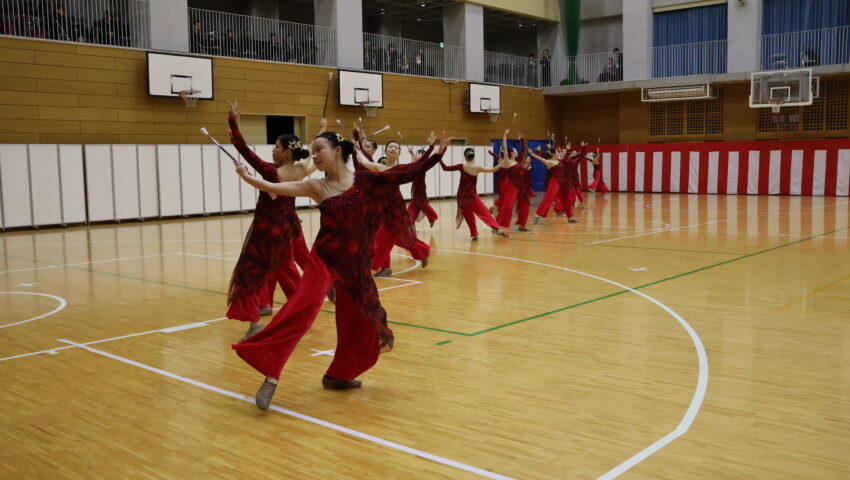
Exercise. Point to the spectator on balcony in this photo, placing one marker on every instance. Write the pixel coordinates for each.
(418, 66)
(809, 58)
(609, 72)
(230, 44)
(531, 71)
(275, 48)
(368, 57)
(58, 25)
(109, 30)
(309, 50)
(546, 68)
(404, 65)
(291, 51)
(248, 45)
(78, 31)
(393, 61)
(618, 64)
(197, 40)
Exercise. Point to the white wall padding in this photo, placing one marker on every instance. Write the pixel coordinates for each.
(14, 173)
(191, 179)
(168, 170)
(45, 184)
(99, 183)
(73, 183)
(125, 174)
(148, 181)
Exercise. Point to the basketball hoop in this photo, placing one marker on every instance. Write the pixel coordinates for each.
(776, 107)
(370, 107)
(190, 97)
(494, 114)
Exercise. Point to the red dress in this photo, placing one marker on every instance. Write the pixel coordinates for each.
(419, 204)
(598, 184)
(395, 225)
(267, 252)
(468, 203)
(340, 256)
(508, 191)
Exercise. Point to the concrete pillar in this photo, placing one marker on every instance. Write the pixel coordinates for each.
(637, 39)
(346, 16)
(169, 25)
(743, 37)
(463, 25)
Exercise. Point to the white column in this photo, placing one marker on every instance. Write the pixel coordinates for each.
(743, 37)
(346, 16)
(169, 25)
(637, 38)
(550, 36)
(463, 25)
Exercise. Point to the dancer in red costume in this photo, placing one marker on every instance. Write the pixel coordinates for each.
(512, 169)
(468, 203)
(397, 228)
(598, 184)
(340, 257)
(275, 232)
(559, 187)
(419, 205)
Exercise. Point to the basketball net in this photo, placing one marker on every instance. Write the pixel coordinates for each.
(190, 97)
(370, 107)
(494, 114)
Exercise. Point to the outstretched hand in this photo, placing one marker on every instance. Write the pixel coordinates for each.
(234, 107)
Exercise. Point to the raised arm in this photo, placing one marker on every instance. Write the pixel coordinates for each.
(548, 163)
(362, 157)
(266, 169)
(450, 168)
(523, 147)
(490, 169)
(289, 189)
(395, 176)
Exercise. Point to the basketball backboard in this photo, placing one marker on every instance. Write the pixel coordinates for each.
(791, 87)
(361, 87)
(484, 98)
(168, 74)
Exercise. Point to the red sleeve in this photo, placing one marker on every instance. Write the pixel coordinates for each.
(452, 168)
(523, 147)
(398, 176)
(267, 170)
(495, 157)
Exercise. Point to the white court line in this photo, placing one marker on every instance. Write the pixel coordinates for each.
(112, 242)
(62, 304)
(175, 328)
(88, 263)
(300, 416)
(654, 232)
(702, 380)
(209, 256)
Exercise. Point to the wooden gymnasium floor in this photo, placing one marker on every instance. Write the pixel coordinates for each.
(524, 358)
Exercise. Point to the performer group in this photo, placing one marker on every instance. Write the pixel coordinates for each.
(362, 217)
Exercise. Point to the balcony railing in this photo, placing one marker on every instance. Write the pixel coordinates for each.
(123, 23)
(382, 53)
(810, 48)
(699, 58)
(242, 36)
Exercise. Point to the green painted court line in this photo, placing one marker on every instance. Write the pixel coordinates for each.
(444, 342)
(629, 246)
(498, 327)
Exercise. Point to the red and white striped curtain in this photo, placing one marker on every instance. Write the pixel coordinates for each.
(818, 168)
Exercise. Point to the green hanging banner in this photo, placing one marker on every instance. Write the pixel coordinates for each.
(571, 22)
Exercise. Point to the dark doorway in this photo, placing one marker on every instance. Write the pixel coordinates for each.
(277, 126)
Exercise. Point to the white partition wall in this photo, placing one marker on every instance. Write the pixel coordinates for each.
(125, 175)
(73, 183)
(168, 171)
(45, 185)
(230, 181)
(191, 180)
(99, 180)
(14, 173)
(48, 184)
(212, 179)
(148, 181)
